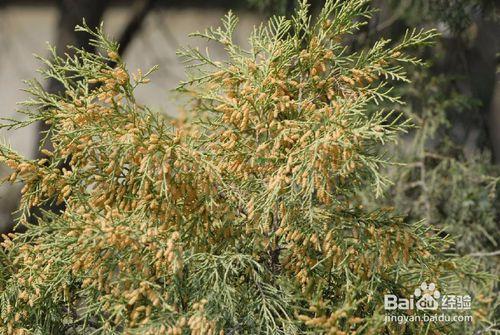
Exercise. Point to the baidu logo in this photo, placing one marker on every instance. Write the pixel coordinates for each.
(426, 297)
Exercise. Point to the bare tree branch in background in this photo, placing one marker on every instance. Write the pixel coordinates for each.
(71, 14)
(141, 10)
(481, 62)
(494, 121)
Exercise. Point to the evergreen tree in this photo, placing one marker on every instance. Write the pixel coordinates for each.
(239, 219)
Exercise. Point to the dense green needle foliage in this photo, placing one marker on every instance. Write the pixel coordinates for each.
(240, 219)
(451, 187)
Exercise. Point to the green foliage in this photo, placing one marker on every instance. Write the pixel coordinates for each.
(457, 15)
(451, 185)
(272, 6)
(240, 219)
(447, 176)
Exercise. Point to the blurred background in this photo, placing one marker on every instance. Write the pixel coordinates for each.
(451, 157)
